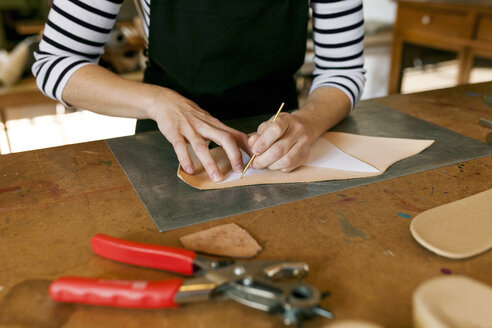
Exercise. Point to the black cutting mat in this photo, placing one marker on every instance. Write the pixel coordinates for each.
(151, 165)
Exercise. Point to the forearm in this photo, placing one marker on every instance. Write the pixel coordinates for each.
(179, 119)
(99, 90)
(324, 108)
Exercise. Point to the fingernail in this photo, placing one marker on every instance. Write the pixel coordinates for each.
(189, 170)
(217, 177)
(238, 168)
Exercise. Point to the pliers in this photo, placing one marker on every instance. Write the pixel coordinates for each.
(257, 284)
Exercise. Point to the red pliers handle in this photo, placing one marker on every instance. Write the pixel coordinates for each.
(151, 256)
(134, 294)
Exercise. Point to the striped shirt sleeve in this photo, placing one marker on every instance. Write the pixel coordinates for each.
(338, 35)
(74, 36)
(145, 12)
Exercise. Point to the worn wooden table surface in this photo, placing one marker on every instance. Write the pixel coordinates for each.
(356, 242)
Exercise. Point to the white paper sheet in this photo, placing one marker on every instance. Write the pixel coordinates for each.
(231, 176)
(323, 154)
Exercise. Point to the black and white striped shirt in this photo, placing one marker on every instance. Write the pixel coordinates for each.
(77, 30)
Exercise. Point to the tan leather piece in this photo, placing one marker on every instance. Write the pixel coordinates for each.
(457, 230)
(224, 240)
(452, 301)
(349, 323)
(378, 152)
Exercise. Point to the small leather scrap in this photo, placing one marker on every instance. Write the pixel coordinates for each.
(452, 301)
(457, 230)
(352, 323)
(224, 240)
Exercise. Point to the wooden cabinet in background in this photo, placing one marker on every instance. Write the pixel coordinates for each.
(463, 27)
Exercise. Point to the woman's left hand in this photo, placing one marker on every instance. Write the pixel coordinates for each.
(281, 145)
(284, 144)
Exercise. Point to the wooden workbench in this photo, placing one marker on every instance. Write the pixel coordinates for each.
(358, 247)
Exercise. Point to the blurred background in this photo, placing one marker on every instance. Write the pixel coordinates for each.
(410, 46)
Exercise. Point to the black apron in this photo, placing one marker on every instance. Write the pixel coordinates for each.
(234, 58)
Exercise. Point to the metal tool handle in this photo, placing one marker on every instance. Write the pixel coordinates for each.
(118, 293)
(152, 256)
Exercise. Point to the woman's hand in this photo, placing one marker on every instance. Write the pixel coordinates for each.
(282, 145)
(182, 121)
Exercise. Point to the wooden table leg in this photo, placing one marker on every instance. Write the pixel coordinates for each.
(396, 73)
(465, 65)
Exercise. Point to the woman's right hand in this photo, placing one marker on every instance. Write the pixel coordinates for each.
(182, 121)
